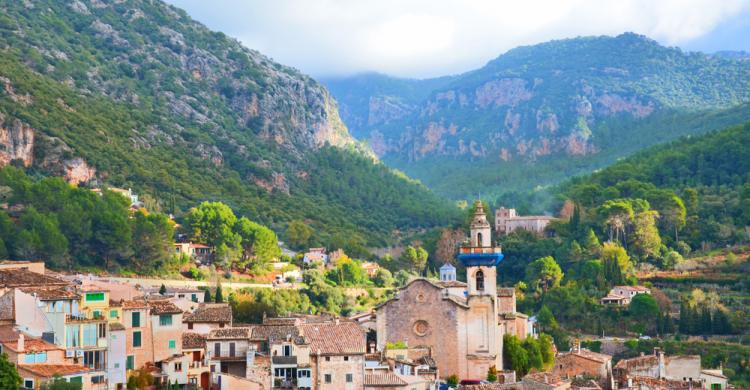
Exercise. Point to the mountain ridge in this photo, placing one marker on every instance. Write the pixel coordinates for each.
(554, 100)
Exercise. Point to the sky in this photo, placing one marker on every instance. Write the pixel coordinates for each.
(428, 38)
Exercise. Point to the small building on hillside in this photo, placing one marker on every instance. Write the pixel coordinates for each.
(199, 252)
(315, 255)
(508, 221)
(370, 268)
(623, 295)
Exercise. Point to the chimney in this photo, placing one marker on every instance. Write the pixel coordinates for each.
(577, 345)
(21, 343)
(546, 379)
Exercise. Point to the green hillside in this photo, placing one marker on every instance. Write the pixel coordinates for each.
(136, 94)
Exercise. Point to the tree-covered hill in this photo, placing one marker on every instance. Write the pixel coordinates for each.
(136, 94)
(539, 114)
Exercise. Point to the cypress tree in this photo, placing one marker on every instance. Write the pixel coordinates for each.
(207, 295)
(706, 325)
(219, 298)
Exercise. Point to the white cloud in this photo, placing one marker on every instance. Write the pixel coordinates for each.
(422, 38)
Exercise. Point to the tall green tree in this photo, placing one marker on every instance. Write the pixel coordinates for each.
(9, 378)
(544, 273)
(212, 223)
(298, 234)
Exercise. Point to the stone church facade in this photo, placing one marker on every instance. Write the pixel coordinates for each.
(459, 321)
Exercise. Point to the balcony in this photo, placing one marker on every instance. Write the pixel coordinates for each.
(284, 360)
(284, 383)
(475, 250)
(228, 357)
(84, 318)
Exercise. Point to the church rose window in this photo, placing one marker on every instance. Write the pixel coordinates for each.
(421, 327)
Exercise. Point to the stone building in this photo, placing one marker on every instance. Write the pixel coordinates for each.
(623, 295)
(545, 381)
(458, 321)
(507, 221)
(581, 362)
(208, 316)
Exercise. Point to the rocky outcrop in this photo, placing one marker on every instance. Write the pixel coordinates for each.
(502, 92)
(16, 142)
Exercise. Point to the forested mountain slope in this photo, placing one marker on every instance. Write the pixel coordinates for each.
(137, 94)
(539, 114)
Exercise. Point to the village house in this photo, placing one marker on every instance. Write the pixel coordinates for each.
(186, 293)
(580, 362)
(34, 375)
(202, 254)
(508, 221)
(682, 371)
(208, 316)
(623, 295)
(198, 370)
(315, 255)
(460, 324)
(229, 350)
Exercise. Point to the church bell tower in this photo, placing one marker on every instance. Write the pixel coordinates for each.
(480, 257)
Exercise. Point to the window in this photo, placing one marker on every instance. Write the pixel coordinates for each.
(102, 330)
(75, 379)
(96, 313)
(287, 350)
(165, 320)
(130, 362)
(95, 297)
(97, 379)
(303, 373)
(231, 349)
(135, 319)
(190, 325)
(178, 366)
(117, 365)
(217, 349)
(28, 383)
(72, 337)
(89, 335)
(113, 314)
(136, 339)
(349, 378)
(480, 280)
(172, 344)
(40, 357)
(346, 358)
(328, 378)
(194, 297)
(328, 358)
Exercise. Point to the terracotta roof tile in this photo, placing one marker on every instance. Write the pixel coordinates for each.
(32, 345)
(590, 355)
(193, 341)
(335, 338)
(274, 332)
(50, 370)
(163, 307)
(451, 283)
(230, 333)
(210, 313)
(25, 278)
(387, 379)
(546, 378)
(50, 293)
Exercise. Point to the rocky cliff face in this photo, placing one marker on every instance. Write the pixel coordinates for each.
(153, 56)
(554, 100)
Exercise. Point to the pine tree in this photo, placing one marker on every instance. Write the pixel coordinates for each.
(219, 296)
(162, 289)
(706, 325)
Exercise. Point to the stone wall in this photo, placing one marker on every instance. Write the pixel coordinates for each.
(438, 325)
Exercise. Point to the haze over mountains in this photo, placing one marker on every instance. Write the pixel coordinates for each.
(537, 115)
